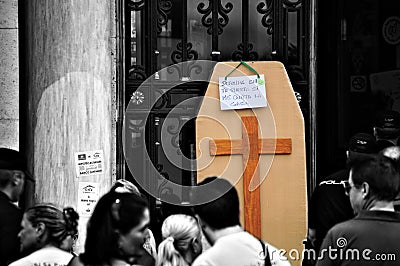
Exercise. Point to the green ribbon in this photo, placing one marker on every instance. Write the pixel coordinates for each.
(246, 65)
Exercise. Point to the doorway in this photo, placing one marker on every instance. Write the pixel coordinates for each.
(162, 33)
(358, 72)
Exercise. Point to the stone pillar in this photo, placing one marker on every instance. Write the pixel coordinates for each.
(70, 70)
(9, 69)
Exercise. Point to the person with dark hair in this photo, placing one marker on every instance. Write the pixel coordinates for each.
(182, 241)
(329, 204)
(217, 208)
(372, 237)
(44, 227)
(116, 231)
(123, 185)
(69, 241)
(387, 129)
(13, 175)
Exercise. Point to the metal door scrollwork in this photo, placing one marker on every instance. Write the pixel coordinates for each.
(136, 72)
(218, 13)
(177, 55)
(163, 8)
(295, 4)
(267, 20)
(244, 51)
(215, 18)
(135, 5)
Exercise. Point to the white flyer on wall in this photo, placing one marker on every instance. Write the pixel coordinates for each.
(89, 163)
(88, 195)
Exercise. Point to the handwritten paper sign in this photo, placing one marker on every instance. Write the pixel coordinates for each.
(89, 163)
(88, 195)
(242, 92)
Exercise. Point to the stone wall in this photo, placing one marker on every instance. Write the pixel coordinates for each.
(9, 74)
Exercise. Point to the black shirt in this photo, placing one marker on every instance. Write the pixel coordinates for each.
(329, 205)
(10, 221)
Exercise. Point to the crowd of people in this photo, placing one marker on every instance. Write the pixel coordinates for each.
(359, 204)
(356, 205)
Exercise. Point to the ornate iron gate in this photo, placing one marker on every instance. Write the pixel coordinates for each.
(161, 33)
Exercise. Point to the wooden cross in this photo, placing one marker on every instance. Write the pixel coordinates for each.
(250, 147)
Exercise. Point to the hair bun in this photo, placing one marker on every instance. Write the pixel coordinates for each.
(170, 238)
(71, 218)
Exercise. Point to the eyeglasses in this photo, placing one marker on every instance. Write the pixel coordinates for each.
(348, 187)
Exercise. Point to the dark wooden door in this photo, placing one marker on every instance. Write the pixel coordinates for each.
(159, 35)
(358, 50)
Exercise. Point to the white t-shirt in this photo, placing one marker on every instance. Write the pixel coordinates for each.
(239, 249)
(47, 256)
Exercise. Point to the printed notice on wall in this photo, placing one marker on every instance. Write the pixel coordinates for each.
(88, 195)
(89, 163)
(242, 92)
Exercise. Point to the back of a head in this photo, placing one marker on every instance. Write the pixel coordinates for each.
(178, 231)
(5, 178)
(382, 175)
(11, 160)
(392, 152)
(387, 124)
(58, 223)
(219, 200)
(361, 145)
(113, 212)
(125, 186)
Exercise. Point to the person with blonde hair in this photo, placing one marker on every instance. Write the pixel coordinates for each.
(182, 241)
